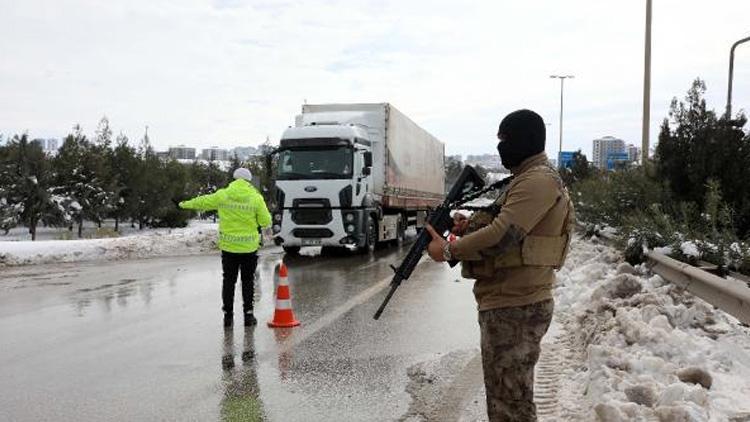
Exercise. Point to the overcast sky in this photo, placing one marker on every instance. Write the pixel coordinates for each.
(231, 72)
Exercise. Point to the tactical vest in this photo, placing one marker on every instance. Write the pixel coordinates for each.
(533, 250)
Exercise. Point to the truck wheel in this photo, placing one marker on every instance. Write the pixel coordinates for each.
(291, 250)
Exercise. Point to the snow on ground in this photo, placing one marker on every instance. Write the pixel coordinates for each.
(198, 237)
(90, 231)
(645, 349)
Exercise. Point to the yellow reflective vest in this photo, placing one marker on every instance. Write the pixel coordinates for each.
(242, 211)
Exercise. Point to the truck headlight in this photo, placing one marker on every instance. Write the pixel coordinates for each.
(277, 218)
(350, 228)
(349, 218)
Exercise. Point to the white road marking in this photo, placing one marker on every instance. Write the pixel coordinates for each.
(308, 330)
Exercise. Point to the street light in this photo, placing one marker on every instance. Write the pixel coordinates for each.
(645, 129)
(731, 75)
(562, 85)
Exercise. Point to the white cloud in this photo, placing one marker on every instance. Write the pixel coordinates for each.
(231, 72)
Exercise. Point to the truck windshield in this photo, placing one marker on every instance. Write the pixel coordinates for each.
(315, 163)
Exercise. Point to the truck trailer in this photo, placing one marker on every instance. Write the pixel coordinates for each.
(354, 175)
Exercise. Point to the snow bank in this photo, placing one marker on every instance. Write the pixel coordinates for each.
(195, 239)
(648, 350)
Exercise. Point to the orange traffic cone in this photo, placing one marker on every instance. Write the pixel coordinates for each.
(283, 316)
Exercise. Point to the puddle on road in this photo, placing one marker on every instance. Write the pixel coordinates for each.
(241, 392)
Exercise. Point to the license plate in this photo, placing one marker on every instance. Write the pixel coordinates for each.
(311, 242)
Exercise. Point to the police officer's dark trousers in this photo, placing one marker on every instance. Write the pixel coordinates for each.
(232, 264)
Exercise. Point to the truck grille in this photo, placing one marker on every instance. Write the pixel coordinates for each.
(311, 211)
(312, 233)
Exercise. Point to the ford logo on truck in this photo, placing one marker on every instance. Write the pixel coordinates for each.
(310, 188)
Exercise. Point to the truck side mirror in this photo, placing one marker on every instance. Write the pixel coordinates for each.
(368, 159)
(366, 171)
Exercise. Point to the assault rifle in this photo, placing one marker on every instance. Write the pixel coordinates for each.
(468, 187)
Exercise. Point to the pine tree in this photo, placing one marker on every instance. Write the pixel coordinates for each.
(177, 181)
(82, 172)
(124, 164)
(234, 164)
(27, 196)
(103, 134)
(148, 186)
(580, 169)
(696, 146)
(10, 211)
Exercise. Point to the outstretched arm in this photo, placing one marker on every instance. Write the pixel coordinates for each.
(202, 203)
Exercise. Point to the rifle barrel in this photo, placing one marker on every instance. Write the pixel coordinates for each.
(394, 286)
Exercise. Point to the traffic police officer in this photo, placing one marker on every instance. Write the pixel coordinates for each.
(242, 212)
(513, 257)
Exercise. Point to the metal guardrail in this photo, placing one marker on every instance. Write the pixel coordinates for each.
(731, 296)
(728, 295)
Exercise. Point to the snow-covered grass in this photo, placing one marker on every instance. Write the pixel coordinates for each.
(198, 237)
(645, 349)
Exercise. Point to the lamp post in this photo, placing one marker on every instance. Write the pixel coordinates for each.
(645, 132)
(562, 86)
(731, 75)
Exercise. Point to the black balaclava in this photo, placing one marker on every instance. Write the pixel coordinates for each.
(523, 134)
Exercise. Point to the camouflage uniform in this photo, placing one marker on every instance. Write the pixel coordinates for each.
(510, 340)
(512, 252)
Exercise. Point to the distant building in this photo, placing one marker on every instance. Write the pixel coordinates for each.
(181, 153)
(617, 160)
(244, 153)
(50, 145)
(634, 153)
(215, 154)
(604, 147)
(53, 144)
(458, 158)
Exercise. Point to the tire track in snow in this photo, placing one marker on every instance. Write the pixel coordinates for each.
(547, 381)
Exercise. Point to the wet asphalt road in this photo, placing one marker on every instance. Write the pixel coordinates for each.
(142, 340)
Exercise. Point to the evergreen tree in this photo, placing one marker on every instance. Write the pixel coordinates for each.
(580, 169)
(82, 172)
(26, 196)
(10, 210)
(696, 146)
(234, 164)
(147, 184)
(177, 181)
(103, 134)
(453, 169)
(124, 164)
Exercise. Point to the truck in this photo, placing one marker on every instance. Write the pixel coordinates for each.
(355, 176)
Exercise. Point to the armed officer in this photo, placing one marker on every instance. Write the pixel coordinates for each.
(513, 254)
